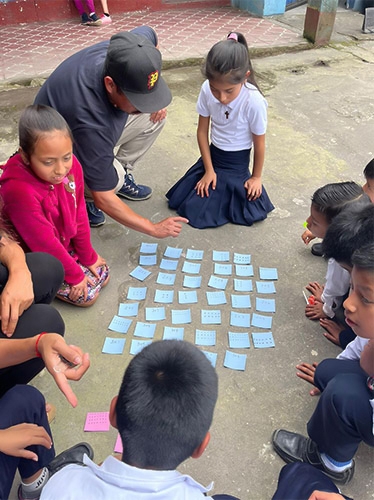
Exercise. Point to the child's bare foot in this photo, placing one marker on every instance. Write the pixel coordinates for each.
(333, 330)
(315, 311)
(316, 289)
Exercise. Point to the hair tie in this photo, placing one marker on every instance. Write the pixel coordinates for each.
(232, 36)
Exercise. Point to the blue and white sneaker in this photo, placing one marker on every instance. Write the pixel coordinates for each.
(132, 191)
(95, 215)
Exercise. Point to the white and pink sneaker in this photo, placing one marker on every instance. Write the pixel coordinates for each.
(105, 19)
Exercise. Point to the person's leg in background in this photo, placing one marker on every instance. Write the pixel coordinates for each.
(105, 18)
(47, 275)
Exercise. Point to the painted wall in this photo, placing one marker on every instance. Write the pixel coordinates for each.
(29, 11)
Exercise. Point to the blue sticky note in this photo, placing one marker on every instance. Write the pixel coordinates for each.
(239, 340)
(265, 305)
(263, 340)
(113, 346)
(261, 321)
(136, 293)
(242, 258)
(268, 273)
(240, 319)
(181, 316)
(173, 333)
(205, 337)
(148, 247)
(224, 269)
(120, 325)
(165, 279)
(243, 285)
(164, 296)
(145, 330)
(129, 309)
(168, 265)
(173, 253)
(191, 267)
(194, 254)
(189, 297)
(140, 273)
(221, 256)
(210, 317)
(148, 260)
(241, 301)
(138, 345)
(235, 361)
(212, 357)
(155, 313)
(265, 287)
(216, 298)
(216, 282)
(243, 270)
(192, 281)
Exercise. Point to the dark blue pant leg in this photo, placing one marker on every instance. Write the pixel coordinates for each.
(297, 481)
(22, 404)
(343, 416)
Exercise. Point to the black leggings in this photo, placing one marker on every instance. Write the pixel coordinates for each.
(47, 275)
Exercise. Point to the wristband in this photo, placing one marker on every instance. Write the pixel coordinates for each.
(38, 355)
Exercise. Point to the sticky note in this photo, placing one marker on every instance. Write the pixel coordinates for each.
(268, 273)
(155, 313)
(216, 282)
(261, 321)
(243, 271)
(164, 296)
(192, 281)
(212, 357)
(113, 346)
(241, 301)
(97, 422)
(120, 325)
(235, 361)
(189, 297)
(205, 337)
(223, 269)
(138, 345)
(148, 260)
(180, 316)
(265, 287)
(148, 247)
(210, 317)
(191, 267)
(239, 340)
(216, 298)
(263, 340)
(173, 253)
(242, 258)
(173, 333)
(168, 265)
(145, 330)
(265, 305)
(140, 273)
(128, 309)
(194, 254)
(165, 279)
(221, 256)
(240, 319)
(243, 285)
(136, 293)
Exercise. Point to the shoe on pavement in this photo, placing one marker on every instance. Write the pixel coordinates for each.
(105, 19)
(293, 447)
(95, 215)
(93, 20)
(132, 191)
(84, 18)
(73, 455)
(317, 249)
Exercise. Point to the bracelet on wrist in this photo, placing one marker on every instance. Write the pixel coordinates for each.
(38, 355)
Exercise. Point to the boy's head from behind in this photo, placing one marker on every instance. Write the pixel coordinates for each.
(369, 177)
(328, 201)
(165, 405)
(349, 231)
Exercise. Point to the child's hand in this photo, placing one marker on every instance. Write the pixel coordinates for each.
(315, 311)
(99, 263)
(333, 330)
(80, 289)
(316, 289)
(14, 440)
(253, 187)
(307, 236)
(202, 187)
(307, 372)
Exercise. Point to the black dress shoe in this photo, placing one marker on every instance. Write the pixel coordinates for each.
(317, 249)
(293, 447)
(73, 455)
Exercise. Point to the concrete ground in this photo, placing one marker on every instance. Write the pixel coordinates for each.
(321, 116)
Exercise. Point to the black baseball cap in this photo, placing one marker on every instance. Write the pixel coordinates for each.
(135, 63)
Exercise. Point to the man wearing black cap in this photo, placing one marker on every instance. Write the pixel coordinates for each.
(113, 97)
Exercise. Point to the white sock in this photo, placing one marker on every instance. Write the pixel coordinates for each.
(334, 465)
(33, 490)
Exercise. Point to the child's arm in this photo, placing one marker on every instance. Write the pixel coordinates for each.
(254, 184)
(210, 177)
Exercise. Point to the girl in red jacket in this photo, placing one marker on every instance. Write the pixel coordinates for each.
(42, 188)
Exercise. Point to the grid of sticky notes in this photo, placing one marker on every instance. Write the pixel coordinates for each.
(237, 300)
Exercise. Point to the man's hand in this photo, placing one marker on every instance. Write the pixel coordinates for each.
(15, 439)
(306, 372)
(171, 226)
(52, 347)
(158, 116)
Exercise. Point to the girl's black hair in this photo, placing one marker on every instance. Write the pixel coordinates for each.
(37, 120)
(230, 58)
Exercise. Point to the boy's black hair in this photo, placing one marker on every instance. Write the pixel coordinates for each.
(37, 120)
(230, 58)
(332, 198)
(363, 258)
(369, 170)
(352, 229)
(165, 404)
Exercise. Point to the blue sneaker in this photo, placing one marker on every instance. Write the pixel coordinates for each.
(132, 191)
(95, 215)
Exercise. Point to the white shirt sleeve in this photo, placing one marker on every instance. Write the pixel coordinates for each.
(337, 285)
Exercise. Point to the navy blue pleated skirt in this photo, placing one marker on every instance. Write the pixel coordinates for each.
(228, 202)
